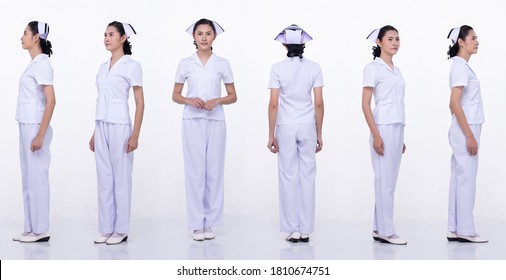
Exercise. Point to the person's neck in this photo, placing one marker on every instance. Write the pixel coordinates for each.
(115, 56)
(34, 52)
(388, 60)
(465, 56)
(204, 55)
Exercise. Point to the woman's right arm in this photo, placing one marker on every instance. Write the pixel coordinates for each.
(92, 142)
(369, 118)
(273, 113)
(180, 99)
(456, 109)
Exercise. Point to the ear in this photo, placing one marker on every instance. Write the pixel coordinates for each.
(36, 37)
(123, 38)
(460, 42)
(378, 42)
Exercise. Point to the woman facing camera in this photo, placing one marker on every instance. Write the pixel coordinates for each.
(114, 140)
(204, 129)
(384, 81)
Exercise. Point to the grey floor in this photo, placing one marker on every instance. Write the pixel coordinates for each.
(166, 239)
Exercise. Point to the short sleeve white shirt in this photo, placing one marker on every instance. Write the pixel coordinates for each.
(295, 78)
(204, 81)
(113, 88)
(461, 74)
(31, 99)
(388, 90)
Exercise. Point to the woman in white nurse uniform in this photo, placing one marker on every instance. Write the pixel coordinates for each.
(295, 132)
(113, 140)
(464, 135)
(36, 102)
(204, 130)
(384, 80)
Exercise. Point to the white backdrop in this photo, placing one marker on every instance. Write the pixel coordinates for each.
(339, 28)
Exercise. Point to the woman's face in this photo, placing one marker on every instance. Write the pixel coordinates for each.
(112, 40)
(470, 44)
(28, 40)
(390, 43)
(204, 36)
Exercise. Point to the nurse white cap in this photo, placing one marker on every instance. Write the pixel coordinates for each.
(454, 34)
(373, 36)
(43, 29)
(293, 34)
(129, 30)
(218, 28)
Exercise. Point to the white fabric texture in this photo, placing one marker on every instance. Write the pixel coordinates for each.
(297, 174)
(464, 169)
(388, 90)
(386, 169)
(114, 89)
(35, 178)
(204, 143)
(114, 176)
(31, 99)
(295, 78)
(461, 74)
(204, 82)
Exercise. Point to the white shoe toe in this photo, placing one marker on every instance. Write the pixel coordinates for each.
(101, 239)
(33, 237)
(116, 239)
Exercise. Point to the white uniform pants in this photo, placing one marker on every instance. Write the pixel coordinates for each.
(297, 173)
(114, 176)
(35, 177)
(464, 169)
(386, 170)
(204, 161)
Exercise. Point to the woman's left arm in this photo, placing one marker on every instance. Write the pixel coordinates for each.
(133, 142)
(46, 117)
(229, 99)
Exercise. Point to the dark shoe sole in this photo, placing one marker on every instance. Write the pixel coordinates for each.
(45, 239)
(376, 238)
(463, 240)
(387, 242)
(304, 240)
(452, 239)
(293, 240)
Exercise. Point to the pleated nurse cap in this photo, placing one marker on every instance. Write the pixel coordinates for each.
(293, 34)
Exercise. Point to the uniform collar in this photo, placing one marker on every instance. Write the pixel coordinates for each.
(36, 59)
(295, 58)
(382, 63)
(39, 57)
(212, 60)
(124, 59)
(459, 59)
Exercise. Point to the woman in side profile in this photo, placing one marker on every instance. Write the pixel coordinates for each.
(204, 129)
(384, 81)
(35, 106)
(464, 136)
(295, 132)
(114, 140)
